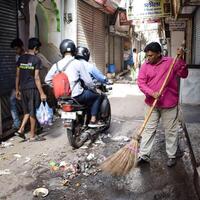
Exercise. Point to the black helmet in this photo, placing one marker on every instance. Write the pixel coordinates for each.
(67, 46)
(82, 52)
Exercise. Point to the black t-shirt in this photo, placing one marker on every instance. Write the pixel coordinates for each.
(27, 64)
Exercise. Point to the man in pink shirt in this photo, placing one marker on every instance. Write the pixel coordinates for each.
(151, 77)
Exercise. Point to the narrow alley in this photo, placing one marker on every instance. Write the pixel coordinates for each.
(30, 165)
(127, 75)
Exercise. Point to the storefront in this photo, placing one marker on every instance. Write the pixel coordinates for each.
(91, 33)
(8, 31)
(115, 51)
(190, 87)
(196, 38)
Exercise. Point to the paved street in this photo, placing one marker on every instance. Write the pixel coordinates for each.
(31, 165)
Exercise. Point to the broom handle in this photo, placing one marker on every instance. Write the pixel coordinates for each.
(156, 100)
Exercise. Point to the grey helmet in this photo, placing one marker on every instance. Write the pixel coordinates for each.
(82, 53)
(67, 45)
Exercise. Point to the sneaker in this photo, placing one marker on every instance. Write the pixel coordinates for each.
(141, 161)
(171, 162)
(95, 124)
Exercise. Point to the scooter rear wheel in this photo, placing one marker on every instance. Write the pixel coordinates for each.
(107, 119)
(75, 138)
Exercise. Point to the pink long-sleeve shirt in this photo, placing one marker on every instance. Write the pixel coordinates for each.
(152, 76)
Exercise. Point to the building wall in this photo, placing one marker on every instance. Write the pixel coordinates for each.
(70, 29)
(47, 26)
(177, 38)
(190, 88)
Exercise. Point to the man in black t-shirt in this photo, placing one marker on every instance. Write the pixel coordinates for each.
(28, 86)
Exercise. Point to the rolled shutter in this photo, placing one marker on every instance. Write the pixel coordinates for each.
(85, 26)
(117, 53)
(91, 32)
(197, 38)
(99, 39)
(8, 32)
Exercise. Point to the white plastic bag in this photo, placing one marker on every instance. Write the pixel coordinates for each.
(44, 114)
(48, 114)
(40, 113)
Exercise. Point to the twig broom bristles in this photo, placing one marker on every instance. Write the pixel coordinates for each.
(121, 162)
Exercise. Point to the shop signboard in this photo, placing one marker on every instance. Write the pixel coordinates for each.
(148, 9)
(177, 25)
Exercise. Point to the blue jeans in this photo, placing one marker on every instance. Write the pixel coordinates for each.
(13, 110)
(90, 99)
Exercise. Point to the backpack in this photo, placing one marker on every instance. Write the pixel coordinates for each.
(60, 81)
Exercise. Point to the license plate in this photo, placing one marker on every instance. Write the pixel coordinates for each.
(68, 115)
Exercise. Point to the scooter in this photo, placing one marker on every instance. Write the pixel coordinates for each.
(76, 118)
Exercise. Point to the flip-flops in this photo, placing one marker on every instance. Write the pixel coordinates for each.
(21, 135)
(36, 139)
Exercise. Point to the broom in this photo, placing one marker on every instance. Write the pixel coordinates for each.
(121, 162)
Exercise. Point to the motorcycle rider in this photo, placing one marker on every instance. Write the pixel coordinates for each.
(83, 54)
(75, 72)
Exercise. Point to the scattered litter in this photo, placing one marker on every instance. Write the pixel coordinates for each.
(100, 142)
(5, 172)
(16, 155)
(27, 159)
(101, 159)
(2, 156)
(78, 184)
(84, 147)
(66, 182)
(62, 164)
(54, 166)
(106, 136)
(40, 192)
(90, 157)
(121, 138)
(86, 166)
(7, 144)
(85, 174)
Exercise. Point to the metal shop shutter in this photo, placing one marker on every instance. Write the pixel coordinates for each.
(196, 37)
(85, 26)
(99, 39)
(117, 53)
(7, 55)
(91, 32)
(111, 49)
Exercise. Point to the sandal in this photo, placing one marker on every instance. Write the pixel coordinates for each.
(21, 135)
(36, 139)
